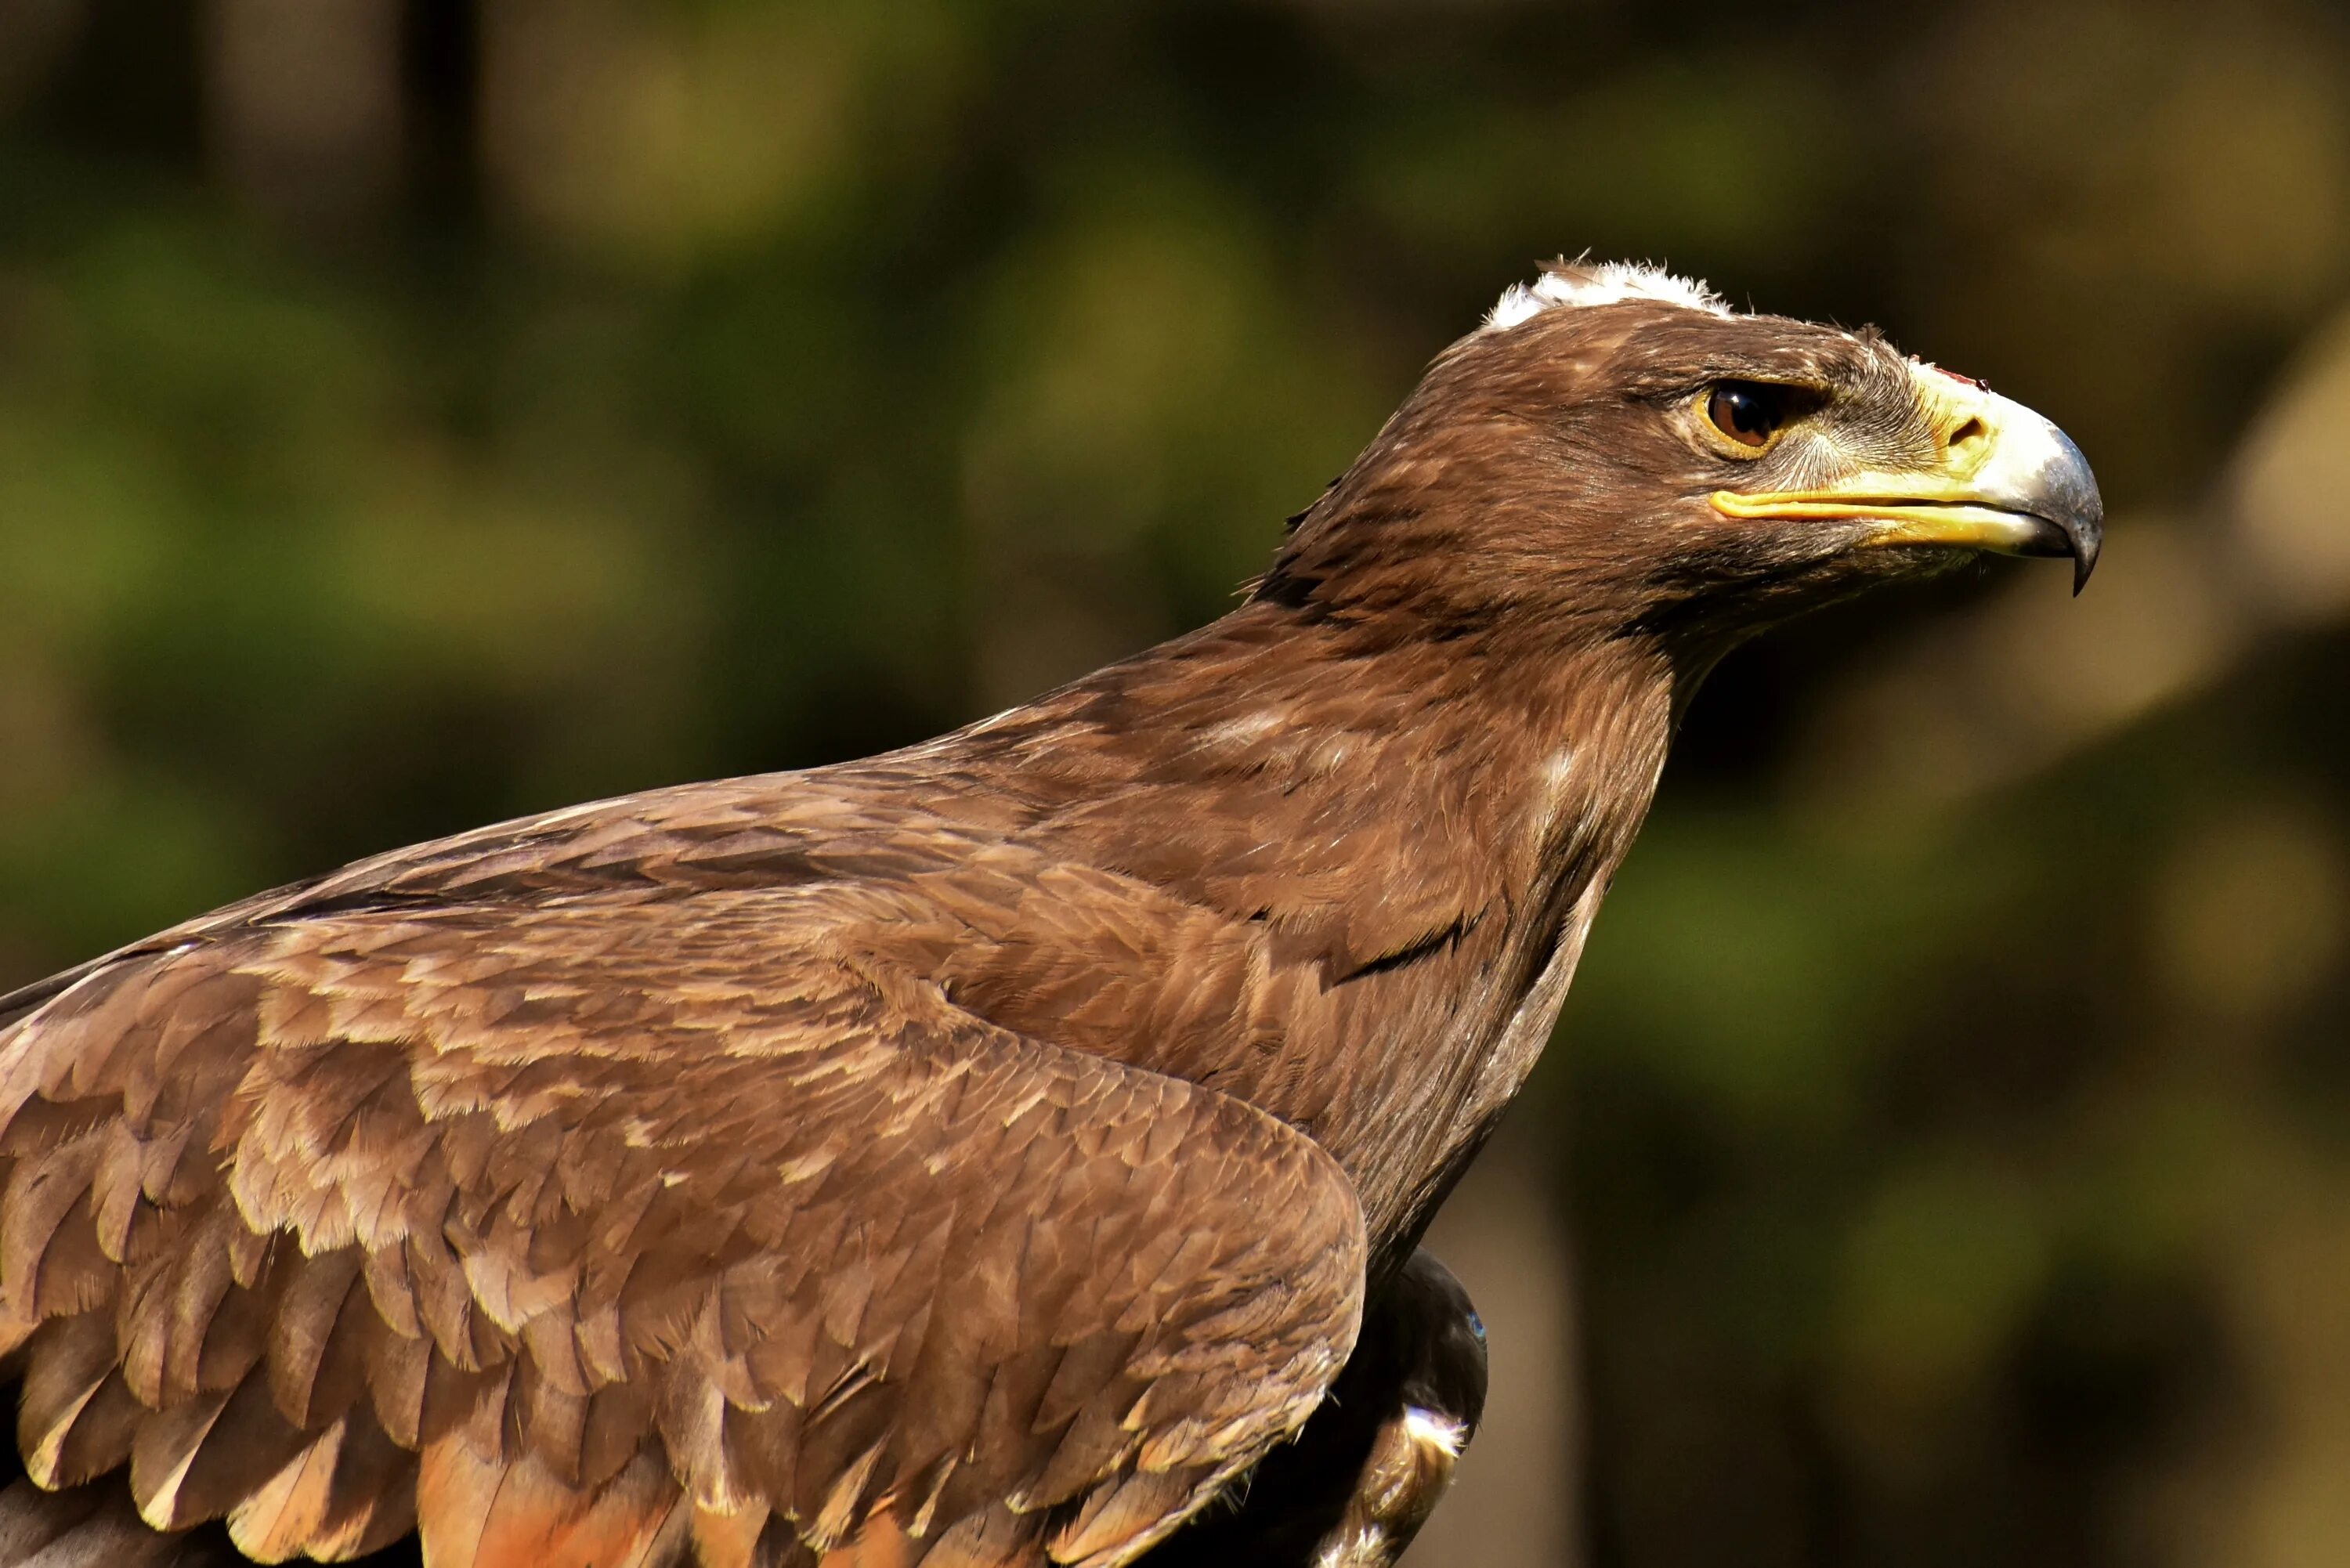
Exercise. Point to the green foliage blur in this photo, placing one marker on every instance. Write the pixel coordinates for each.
(416, 412)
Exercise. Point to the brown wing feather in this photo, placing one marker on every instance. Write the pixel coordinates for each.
(591, 1232)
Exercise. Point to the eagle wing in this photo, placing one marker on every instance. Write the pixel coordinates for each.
(616, 1231)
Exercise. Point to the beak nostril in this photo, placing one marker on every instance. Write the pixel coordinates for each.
(1969, 434)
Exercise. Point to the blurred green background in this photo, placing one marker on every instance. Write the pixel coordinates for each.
(415, 413)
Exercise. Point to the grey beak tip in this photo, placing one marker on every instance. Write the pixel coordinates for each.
(2078, 509)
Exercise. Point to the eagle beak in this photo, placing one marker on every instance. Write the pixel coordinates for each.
(2008, 481)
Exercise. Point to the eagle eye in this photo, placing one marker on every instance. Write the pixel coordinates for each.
(1750, 414)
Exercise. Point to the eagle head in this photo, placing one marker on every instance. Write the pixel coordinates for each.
(1617, 450)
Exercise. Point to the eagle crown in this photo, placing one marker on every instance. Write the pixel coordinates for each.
(1583, 281)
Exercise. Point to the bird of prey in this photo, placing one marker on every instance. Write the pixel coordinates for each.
(990, 1153)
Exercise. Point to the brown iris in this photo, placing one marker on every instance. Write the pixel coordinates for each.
(1749, 413)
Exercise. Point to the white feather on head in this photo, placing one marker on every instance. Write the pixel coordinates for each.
(1584, 282)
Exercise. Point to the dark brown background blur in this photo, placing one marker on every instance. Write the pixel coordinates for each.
(415, 412)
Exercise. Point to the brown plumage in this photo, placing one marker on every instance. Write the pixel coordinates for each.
(981, 1153)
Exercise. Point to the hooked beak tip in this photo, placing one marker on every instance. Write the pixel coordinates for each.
(2069, 498)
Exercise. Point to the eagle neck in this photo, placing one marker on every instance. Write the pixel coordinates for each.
(1411, 831)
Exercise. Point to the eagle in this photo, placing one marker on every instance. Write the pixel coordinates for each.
(1010, 1150)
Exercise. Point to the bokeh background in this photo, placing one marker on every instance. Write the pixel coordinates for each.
(415, 413)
